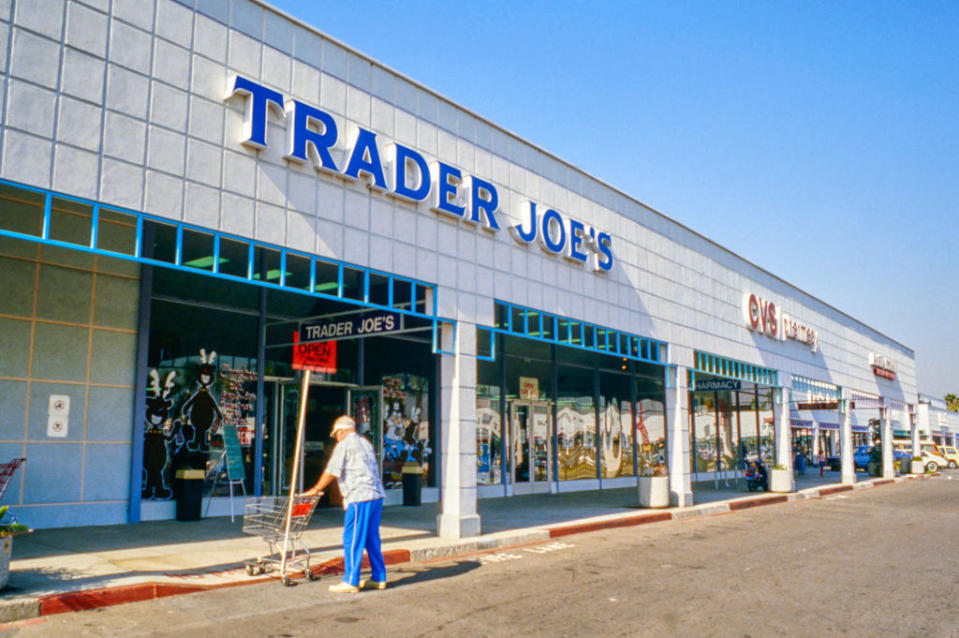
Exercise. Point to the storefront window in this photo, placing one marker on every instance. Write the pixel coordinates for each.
(702, 433)
(767, 426)
(576, 424)
(651, 422)
(489, 420)
(615, 425)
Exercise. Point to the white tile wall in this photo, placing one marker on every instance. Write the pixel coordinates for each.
(170, 146)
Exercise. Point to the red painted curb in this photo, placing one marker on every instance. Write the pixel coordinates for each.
(883, 482)
(642, 519)
(757, 502)
(832, 490)
(109, 596)
(335, 565)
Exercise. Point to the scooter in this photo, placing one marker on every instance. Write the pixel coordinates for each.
(756, 477)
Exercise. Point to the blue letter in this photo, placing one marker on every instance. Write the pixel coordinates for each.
(422, 191)
(488, 206)
(551, 246)
(604, 243)
(254, 127)
(446, 190)
(366, 159)
(302, 136)
(526, 236)
(575, 239)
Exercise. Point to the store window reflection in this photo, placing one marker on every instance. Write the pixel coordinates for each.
(489, 429)
(615, 425)
(650, 426)
(576, 424)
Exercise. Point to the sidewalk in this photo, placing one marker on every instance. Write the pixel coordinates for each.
(69, 569)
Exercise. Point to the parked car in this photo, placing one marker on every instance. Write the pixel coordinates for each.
(951, 454)
(861, 455)
(861, 458)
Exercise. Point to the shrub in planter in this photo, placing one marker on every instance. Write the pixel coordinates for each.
(9, 528)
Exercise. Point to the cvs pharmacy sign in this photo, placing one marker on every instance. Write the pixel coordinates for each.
(763, 315)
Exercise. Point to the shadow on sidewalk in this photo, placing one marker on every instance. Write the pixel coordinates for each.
(412, 576)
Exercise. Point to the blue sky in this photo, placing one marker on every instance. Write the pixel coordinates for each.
(819, 140)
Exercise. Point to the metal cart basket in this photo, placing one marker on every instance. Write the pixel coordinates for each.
(266, 517)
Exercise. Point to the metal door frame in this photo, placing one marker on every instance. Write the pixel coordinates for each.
(278, 472)
(530, 486)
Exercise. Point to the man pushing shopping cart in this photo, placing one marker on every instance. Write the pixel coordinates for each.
(353, 465)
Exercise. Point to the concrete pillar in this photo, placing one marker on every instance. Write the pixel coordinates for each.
(677, 436)
(815, 440)
(847, 464)
(457, 454)
(885, 428)
(784, 449)
(914, 433)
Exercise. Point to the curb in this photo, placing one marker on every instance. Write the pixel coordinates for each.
(22, 609)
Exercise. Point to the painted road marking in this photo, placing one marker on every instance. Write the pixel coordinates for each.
(502, 557)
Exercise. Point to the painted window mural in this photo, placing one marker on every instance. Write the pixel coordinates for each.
(186, 409)
(406, 426)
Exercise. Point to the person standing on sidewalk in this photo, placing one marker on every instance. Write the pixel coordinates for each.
(353, 465)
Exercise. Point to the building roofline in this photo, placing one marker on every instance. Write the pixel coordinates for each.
(266, 5)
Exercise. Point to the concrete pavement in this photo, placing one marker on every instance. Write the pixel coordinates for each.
(70, 569)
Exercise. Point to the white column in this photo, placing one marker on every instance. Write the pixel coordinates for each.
(885, 424)
(677, 436)
(784, 452)
(847, 464)
(815, 440)
(914, 432)
(457, 453)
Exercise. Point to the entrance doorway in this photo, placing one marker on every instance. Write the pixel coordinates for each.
(530, 436)
(325, 402)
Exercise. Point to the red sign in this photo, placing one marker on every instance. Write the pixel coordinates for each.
(885, 374)
(762, 315)
(316, 356)
(818, 405)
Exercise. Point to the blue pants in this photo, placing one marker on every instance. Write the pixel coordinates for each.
(361, 530)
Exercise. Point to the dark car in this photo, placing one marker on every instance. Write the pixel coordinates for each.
(860, 458)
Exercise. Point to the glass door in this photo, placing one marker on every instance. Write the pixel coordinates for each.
(324, 403)
(366, 408)
(529, 444)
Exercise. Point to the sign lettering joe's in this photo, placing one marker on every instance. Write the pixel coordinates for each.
(313, 138)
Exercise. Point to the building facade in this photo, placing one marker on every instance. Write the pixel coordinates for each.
(201, 199)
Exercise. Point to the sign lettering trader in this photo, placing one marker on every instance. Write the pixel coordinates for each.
(313, 136)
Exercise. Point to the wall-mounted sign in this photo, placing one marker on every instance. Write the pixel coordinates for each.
(529, 388)
(818, 405)
(404, 174)
(882, 367)
(717, 385)
(766, 317)
(339, 328)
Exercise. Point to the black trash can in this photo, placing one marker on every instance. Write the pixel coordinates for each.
(188, 490)
(412, 484)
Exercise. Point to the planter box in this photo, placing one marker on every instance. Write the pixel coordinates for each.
(6, 546)
(781, 481)
(653, 491)
(917, 467)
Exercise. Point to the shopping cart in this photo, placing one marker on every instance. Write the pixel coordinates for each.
(266, 517)
(6, 473)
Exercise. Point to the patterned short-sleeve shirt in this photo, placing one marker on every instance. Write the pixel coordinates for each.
(354, 465)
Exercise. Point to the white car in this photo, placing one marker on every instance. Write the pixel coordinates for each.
(932, 461)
